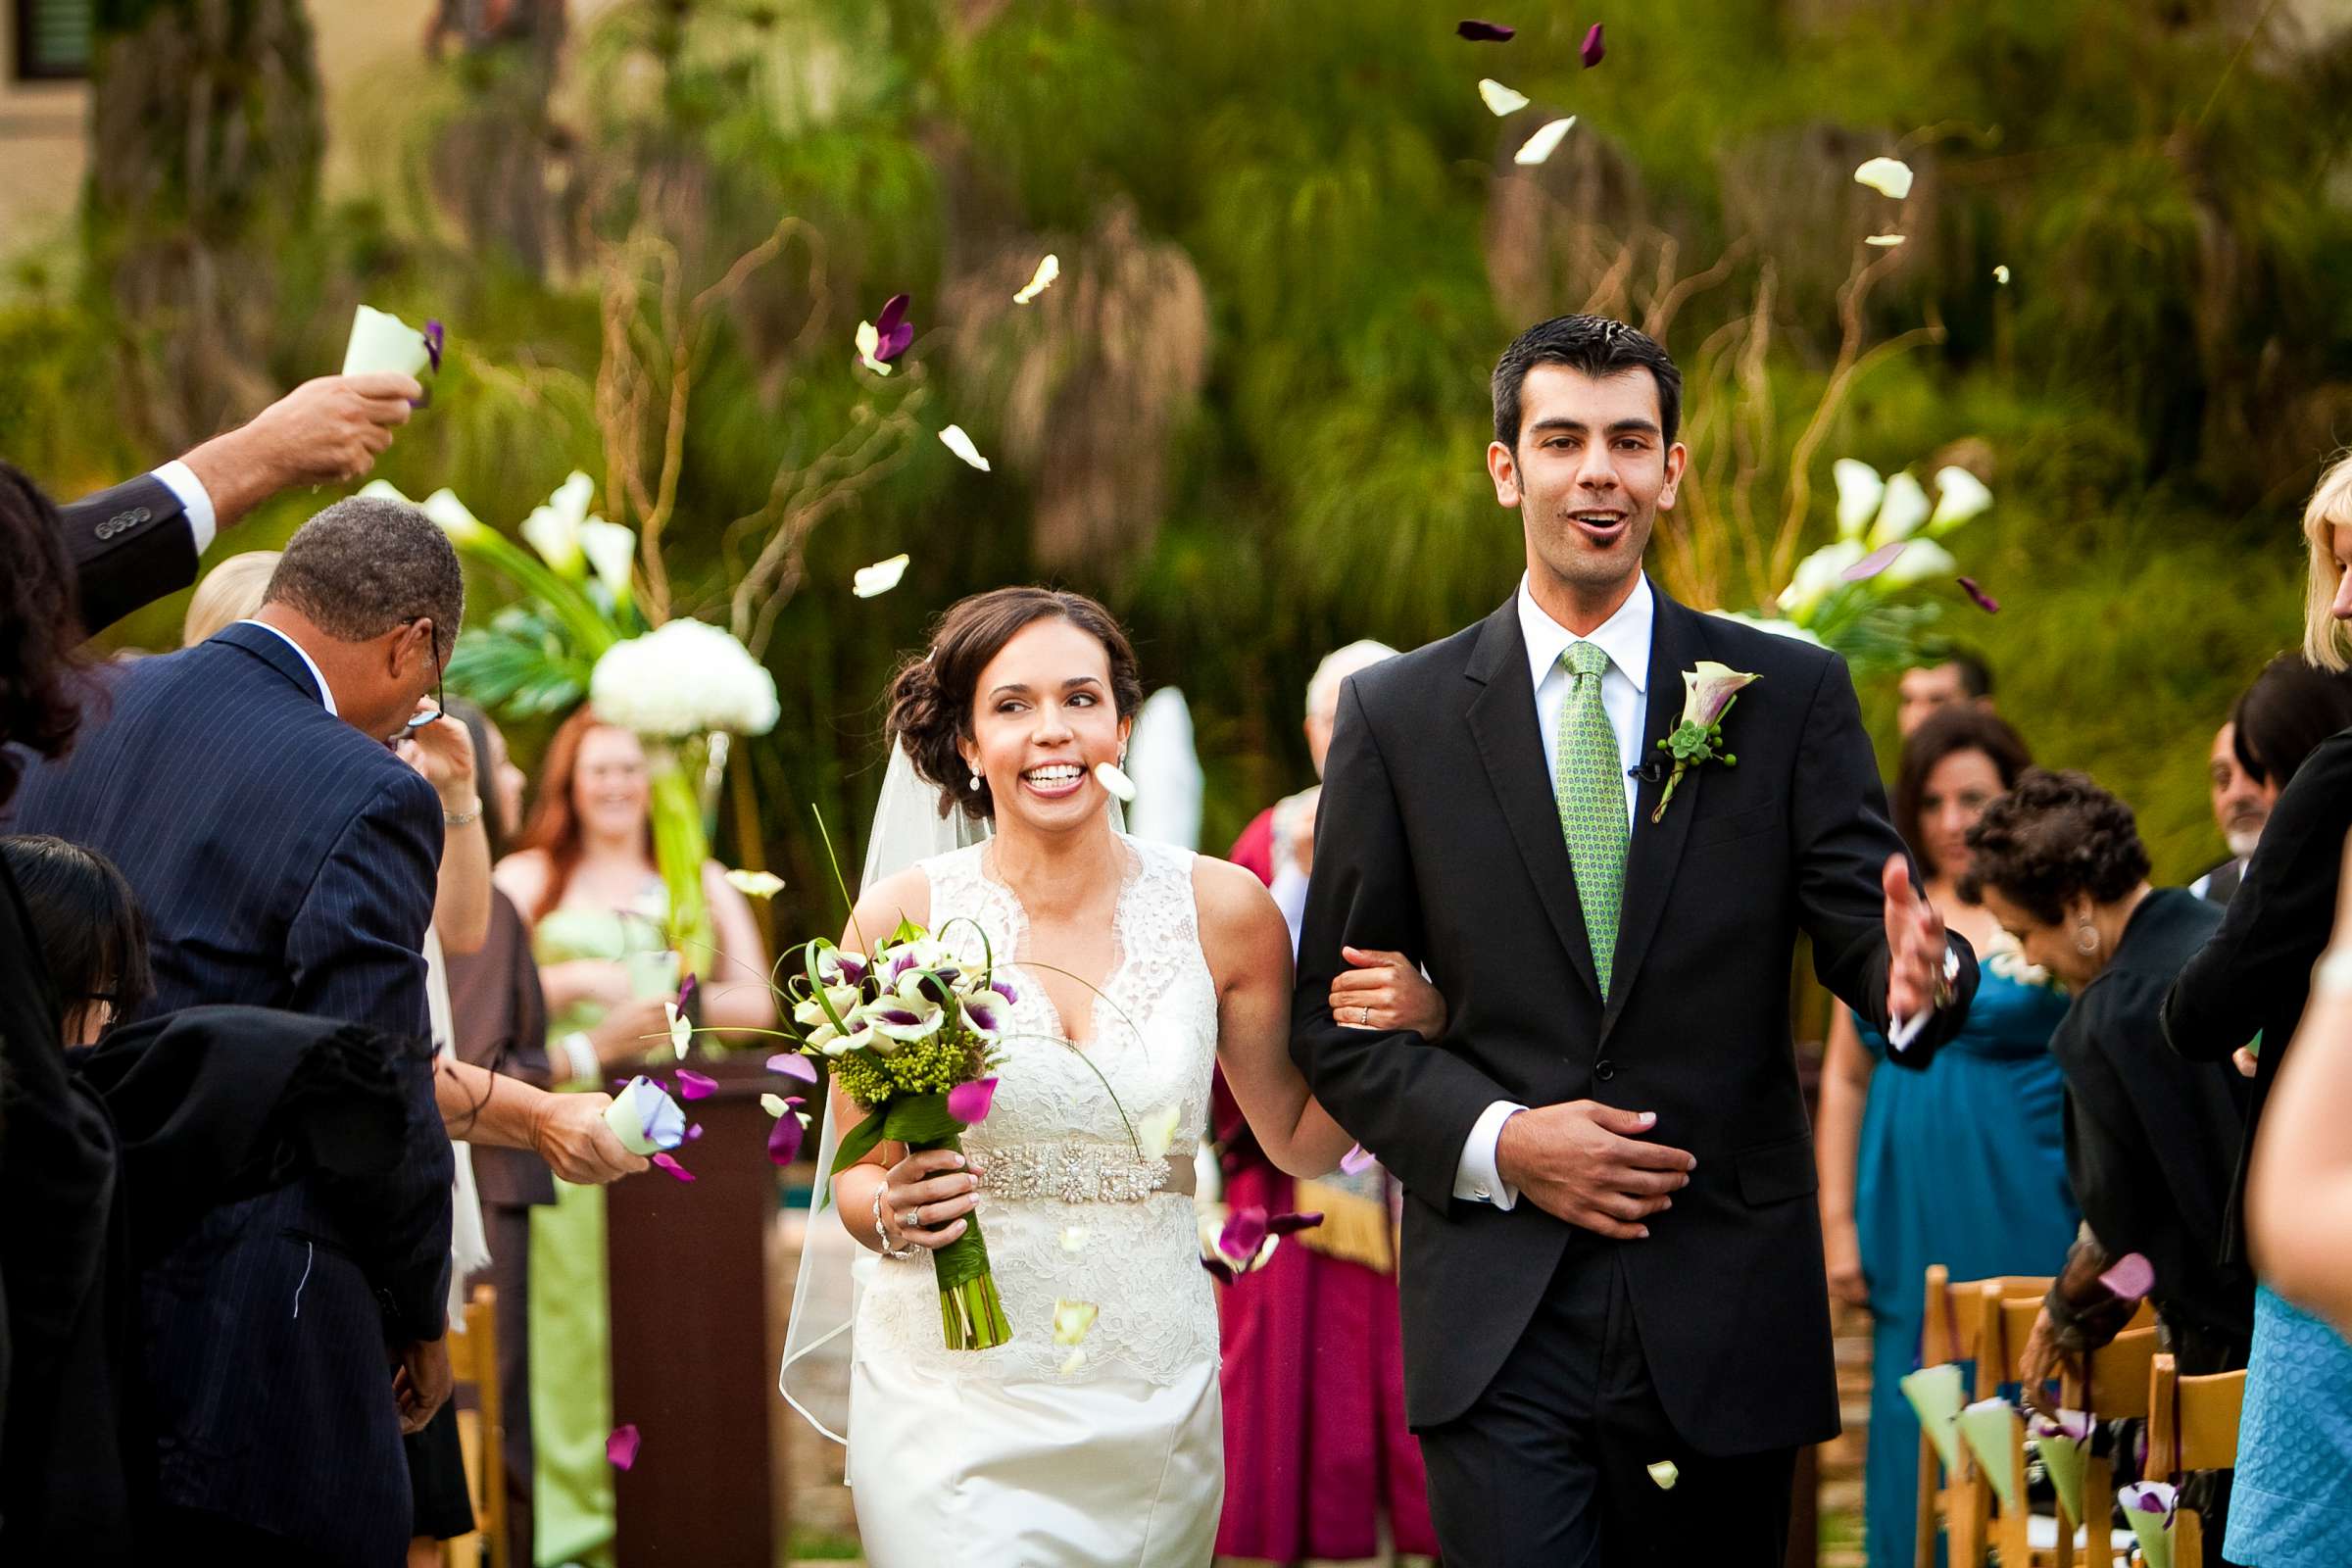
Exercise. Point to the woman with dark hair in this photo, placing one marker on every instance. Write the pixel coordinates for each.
(1963, 1163)
(2248, 985)
(2289, 708)
(1094, 1433)
(92, 934)
(2150, 1138)
(585, 884)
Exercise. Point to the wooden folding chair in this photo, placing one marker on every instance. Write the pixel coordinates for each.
(1952, 1329)
(2121, 1376)
(482, 1435)
(2113, 1387)
(2192, 1425)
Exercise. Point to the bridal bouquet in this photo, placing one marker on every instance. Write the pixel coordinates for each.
(911, 1036)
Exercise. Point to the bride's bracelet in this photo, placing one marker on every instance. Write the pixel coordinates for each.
(882, 1235)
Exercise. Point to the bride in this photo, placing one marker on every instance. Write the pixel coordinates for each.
(1093, 1436)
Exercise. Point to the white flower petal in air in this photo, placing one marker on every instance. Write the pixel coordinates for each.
(1047, 272)
(1073, 1362)
(773, 1104)
(880, 577)
(2001, 274)
(955, 441)
(1888, 176)
(1859, 492)
(1959, 496)
(1073, 1321)
(1537, 148)
(1665, 1474)
(1120, 785)
(1156, 1132)
(681, 1028)
(756, 884)
(868, 341)
(1885, 241)
(1501, 99)
(1900, 513)
(1073, 1238)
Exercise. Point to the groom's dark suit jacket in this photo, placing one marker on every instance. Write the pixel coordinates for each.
(1438, 836)
(283, 859)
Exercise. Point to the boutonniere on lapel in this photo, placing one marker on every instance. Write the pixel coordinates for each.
(1708, 692)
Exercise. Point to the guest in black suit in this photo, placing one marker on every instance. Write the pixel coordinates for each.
(1612, 1252)
(291, 865)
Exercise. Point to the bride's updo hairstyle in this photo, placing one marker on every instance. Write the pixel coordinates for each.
(931, 699)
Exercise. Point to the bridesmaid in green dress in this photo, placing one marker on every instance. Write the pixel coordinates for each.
(586, 880)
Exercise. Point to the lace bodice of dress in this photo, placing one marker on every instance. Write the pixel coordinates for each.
(1153, 1044)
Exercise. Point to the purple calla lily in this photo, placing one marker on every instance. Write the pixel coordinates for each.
(968, 1102)
(1592, 48)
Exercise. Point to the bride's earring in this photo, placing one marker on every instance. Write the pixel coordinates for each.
(975, 781)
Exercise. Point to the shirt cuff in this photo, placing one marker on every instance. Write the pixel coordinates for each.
(1902, 1031)
(180, 480)
(1475, 1179)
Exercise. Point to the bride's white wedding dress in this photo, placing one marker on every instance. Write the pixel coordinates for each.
(1012, 1458)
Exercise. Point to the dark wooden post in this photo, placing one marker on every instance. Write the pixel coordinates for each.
(692, 1364)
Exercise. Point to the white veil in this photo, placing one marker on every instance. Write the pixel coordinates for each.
(814, 1378)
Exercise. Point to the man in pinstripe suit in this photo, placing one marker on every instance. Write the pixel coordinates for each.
(286, 857)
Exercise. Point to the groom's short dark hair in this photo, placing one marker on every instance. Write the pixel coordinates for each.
(1594, 345)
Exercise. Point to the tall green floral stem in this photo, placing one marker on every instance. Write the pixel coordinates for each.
(680, 849)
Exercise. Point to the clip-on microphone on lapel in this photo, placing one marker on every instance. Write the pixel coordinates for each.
(1651, 772)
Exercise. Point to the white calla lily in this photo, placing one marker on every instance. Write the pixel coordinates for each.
(612, 552)
(554, 529)
(1817, 576)
(1921, 559)
(1904, 509)
(1959, 496)
(810, 1013)
(1859, 492)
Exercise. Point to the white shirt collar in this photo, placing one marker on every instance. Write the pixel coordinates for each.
(326, 693)
(1623, 636)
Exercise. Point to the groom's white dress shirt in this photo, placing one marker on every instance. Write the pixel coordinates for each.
(1625, 638)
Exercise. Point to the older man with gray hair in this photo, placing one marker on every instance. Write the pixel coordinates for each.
(285, 857)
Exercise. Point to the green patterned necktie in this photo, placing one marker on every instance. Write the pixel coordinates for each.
(1589, 785)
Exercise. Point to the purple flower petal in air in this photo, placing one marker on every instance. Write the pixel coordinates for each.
(1487, 32)
(1871, 564)
(694, 1130)
(1592, 48)
(693, 1085)
(2131, 1278)
(792, 1064)
(893, 328)
(671, 1164)
(1286, 1224)
(620, 1449)
(1243, 1234)
(433, 339)
(686, 990)
(968, 1102)
(1984, 601)
(1357, 1160)
(784, 1139)
(1218, 1267)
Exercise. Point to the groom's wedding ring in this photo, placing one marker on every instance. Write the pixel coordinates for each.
(1366, 1018)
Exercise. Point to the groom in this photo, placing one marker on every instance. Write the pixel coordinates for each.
(1611, 1255)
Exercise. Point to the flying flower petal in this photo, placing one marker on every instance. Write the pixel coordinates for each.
(1487, 32)
(893, 332)
(1859, 492)
(955, 441)
(868, 340)
(1888, 176)
(1922, 559)
(773, 1104)
(1959, 496)
(1542, 143)
(1500, 100)
(435, 343)
(756, 884)
(1885, 241)
(693, 1131)
(784, 1139)
(968, 1102)
(1984, 601)
(2131, 1278)
(686, 990)
(1591, 50)
(693, 1085)
(1118, 783)
(1904, 508)
(2001, 274)
(1039, 281)
(620, 1449)
(879, 579)
(792, 1064)
(1073, 1238)
(1357, 1160)
(1072, 1361)
(1221, 1270)
(681, 1028)
(1158, 1131)
(1073, 1321)
(1816, 576)
(1290, 1224)
(671, 1164)
(1664, 1474)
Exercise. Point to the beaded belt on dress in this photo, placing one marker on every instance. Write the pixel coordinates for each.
(1080, 1173)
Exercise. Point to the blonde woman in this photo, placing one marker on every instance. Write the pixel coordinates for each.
(229, 593)
(2253, 979)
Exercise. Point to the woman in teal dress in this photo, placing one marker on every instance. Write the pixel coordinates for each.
(586, 881)
(1963, 1163)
